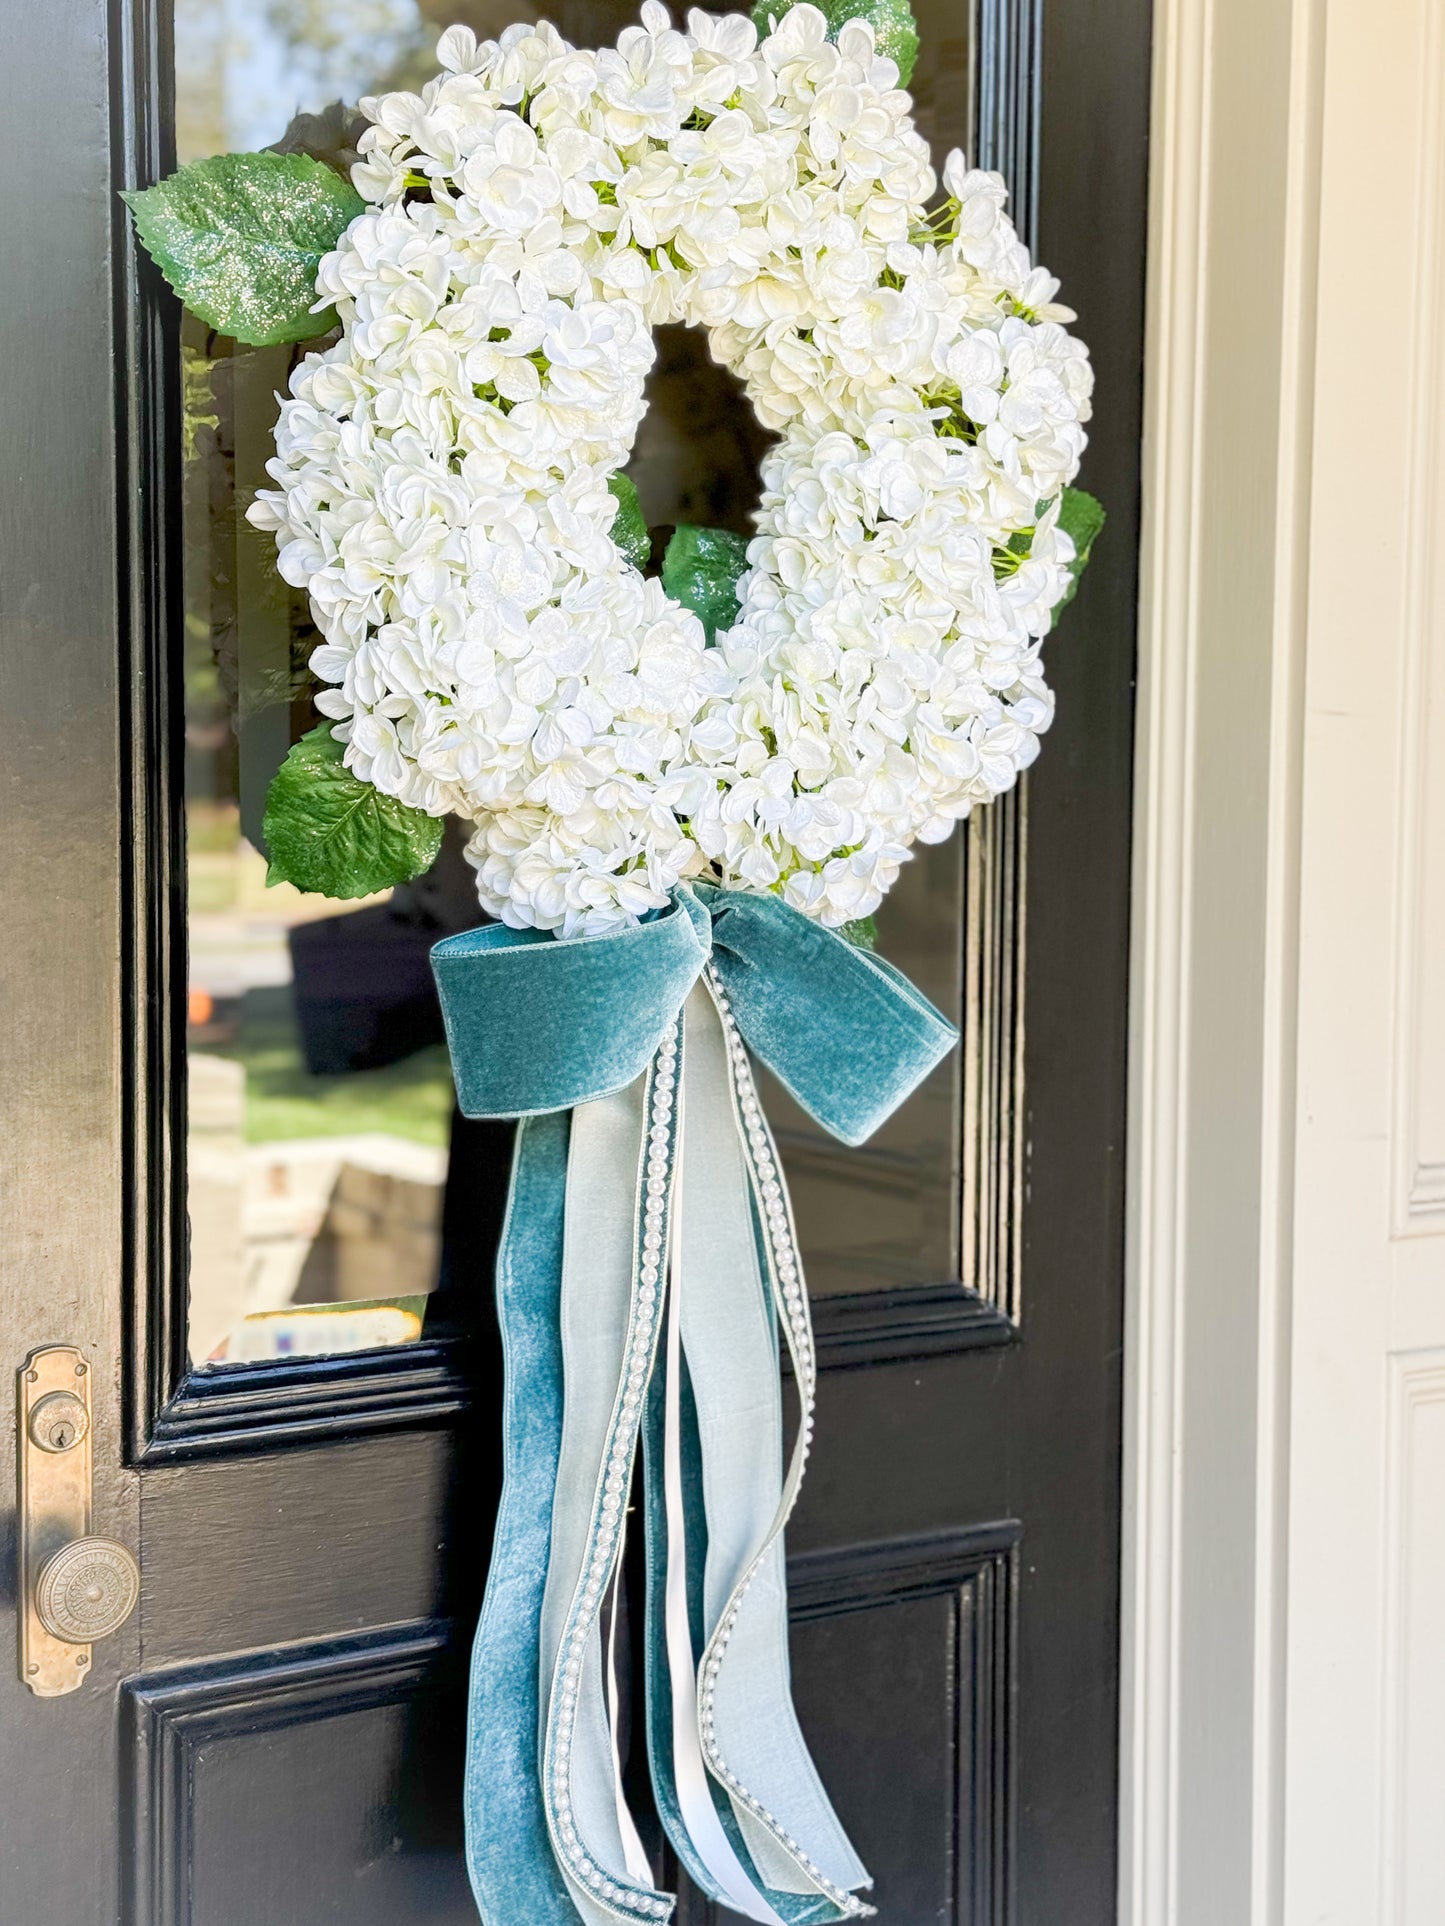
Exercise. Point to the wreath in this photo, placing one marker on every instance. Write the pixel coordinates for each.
(788, 714)
(673, 777)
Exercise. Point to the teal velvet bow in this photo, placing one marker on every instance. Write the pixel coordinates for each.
(647, 1267)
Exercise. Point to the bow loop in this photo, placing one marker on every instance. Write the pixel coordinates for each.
(538, 1023)
(845, 1033)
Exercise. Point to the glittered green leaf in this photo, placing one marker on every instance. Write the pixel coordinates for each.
(240, 237)
(895, 31)
(701, 570)
(629, 530)
(329, 832)
(863, 932)
(1081, 516)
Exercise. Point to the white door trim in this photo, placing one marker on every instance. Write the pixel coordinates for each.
(1229, 349)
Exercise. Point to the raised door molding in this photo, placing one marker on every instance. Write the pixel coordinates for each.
(185, 1727)
(1418, 1125)
(1413, 1765)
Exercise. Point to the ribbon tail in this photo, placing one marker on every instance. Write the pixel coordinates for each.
(634, 1853)
(619, 1182)
(718, 1846)
(735, 1264)
(513, 1872)
(585, 1808)
(796, 1909)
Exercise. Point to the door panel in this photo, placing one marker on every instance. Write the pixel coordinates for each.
(239, 1816)
(276, 1736)
(917, 1744)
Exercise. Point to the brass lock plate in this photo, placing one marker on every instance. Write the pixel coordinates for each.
(54, 1470)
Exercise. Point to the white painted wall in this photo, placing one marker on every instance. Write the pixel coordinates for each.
(1364, 1816)
(1285, 1578)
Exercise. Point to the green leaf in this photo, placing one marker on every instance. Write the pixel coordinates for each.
(629, 530)
(701, 570)
(895, 31)
(329, 832)
(863, 933)
(240, 238)
(1081, 517)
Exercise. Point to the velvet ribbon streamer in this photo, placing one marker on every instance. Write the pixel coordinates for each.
(647, 1267)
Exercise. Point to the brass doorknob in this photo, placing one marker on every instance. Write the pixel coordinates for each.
(87, 1590)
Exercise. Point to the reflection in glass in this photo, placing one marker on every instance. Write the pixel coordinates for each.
(887, 1214)
(317, 1138)
(320, 1104)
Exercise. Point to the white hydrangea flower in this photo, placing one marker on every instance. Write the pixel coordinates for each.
(442, 470)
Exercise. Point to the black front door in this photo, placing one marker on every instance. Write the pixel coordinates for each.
(232, 1182)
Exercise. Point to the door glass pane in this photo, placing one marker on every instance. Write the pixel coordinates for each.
(320, 1105)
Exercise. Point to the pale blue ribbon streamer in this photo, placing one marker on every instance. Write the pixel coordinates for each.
(537, 1026)
(730, 1335)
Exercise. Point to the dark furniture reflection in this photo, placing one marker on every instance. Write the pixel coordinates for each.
(365, 998)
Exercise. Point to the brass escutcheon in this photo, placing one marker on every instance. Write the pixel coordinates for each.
(73, 1588)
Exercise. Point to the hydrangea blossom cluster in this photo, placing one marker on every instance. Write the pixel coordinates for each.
(442, 470)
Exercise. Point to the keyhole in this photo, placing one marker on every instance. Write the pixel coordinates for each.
(58, 1422)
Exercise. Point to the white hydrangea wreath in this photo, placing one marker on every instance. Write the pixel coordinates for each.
(443, 469)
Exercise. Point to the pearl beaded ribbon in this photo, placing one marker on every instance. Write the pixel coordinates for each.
(648, 1264)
